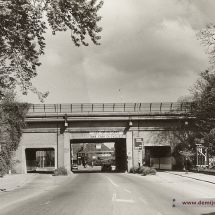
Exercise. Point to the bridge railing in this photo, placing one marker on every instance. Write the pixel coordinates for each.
(149, 108)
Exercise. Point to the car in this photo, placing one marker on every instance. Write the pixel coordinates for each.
(106, 167)
(74, 166)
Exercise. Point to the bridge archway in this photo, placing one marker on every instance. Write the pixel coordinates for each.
(40, 159)
(119, 146)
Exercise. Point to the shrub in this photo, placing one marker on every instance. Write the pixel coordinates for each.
(134, 169)
(145, 170)
(60, 171)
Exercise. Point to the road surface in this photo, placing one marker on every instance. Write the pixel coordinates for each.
(107, 194)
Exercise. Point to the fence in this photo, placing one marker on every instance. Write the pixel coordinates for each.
(112, 108)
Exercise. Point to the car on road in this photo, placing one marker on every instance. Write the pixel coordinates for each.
(106, 167)
(74, 166)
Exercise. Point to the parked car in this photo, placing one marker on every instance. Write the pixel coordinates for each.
(75, 166)
(106, 167)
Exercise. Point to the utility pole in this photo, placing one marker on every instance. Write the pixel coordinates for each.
(120, 90)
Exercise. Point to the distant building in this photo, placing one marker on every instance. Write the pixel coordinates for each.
(96, 154)
(75, 149)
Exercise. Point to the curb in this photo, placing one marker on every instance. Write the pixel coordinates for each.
(191, 177)
(17, 186)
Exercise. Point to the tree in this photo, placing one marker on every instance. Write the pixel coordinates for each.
(180, 137)
(12, 121)
(210, 142)
(181, 140)
(207, 37)
(49, 156)
(22, 35)
(203, 93)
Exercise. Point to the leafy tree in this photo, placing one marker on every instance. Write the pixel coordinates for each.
(180, 137)
(12, 121)
(207, 37)
(184, 156)
(182, 141)
(49, 156)
(203, 93)
(22, 39)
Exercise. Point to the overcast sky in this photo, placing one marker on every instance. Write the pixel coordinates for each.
(149, 50)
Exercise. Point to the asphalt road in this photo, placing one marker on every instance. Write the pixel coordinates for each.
(111, 193)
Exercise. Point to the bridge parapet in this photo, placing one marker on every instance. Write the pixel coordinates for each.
(147, 108)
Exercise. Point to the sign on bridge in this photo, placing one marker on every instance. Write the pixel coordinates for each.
(107, 134)
(138, 143)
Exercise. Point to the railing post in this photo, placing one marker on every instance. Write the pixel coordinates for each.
(171, 107)
(150, 107)
(55, 108)
(33, 107)
(71, 108)
(103, 107)
(124, 107)
(140, 107)
(134, 106)
(81, 107)
(60, 108)
(44, 108)
(113, 106)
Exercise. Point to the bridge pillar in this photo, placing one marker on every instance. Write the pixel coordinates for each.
(129, 149)
(67, 161)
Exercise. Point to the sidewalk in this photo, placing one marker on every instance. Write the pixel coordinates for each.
(13, 181)
(195, 176)
(9, 182)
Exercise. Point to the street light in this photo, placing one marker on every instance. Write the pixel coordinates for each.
(65, 122)
(130, 123)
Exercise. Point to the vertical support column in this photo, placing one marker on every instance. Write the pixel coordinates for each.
(66, 141)
(129, 149)
(143, 153)
(55, 157)
(24, 163)
(140, 158)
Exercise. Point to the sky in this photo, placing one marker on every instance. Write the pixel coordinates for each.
(149, 52)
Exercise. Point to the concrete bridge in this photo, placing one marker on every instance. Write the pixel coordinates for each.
(57, 127)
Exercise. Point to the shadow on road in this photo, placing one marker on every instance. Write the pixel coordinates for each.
(213, 213)
(41, 172)
(94, 171)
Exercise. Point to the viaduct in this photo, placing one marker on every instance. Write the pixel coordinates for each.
(56, 127)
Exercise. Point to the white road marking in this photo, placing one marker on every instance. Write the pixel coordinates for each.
(125, 200)
(142, 200)
(111, 181)
(127, 191)
(114, 199)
